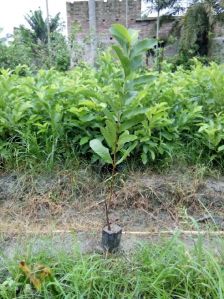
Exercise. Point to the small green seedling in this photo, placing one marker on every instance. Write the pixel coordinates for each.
(119, 141)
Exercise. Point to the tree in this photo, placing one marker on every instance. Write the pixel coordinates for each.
(30, 45)
(39, 26)
(92, 29)
(173, 7)
(48, 30)
(212, 7)
(46, 40)
(198, 23)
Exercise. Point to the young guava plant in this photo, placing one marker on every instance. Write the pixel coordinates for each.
(117, 142)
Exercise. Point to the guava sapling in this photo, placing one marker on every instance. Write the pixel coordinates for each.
(116, 141)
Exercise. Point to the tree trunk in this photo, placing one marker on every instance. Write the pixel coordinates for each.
(92, 29)
(157, 37)
(48, 31)
(157, 24)
(126, 13)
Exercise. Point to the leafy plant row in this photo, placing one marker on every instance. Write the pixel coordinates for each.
(118, 110)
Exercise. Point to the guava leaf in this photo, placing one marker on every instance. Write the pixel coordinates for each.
(110, 134)
(124, 138)
(221, 148)
(102, 151)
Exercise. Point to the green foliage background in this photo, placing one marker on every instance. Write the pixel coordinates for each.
(30, 45)
(52, 116)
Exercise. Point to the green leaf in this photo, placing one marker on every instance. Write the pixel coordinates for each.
(121, 34)
(130, 96)
(142, 46)
(153, 156)
(110, 133)
(127, 152)
(76, 110)
(123, 60)
(125, 138)
(135, 112)
(221, 148)
(144, 158)
(98, 148)
(136, 62)
(84, 140)
(144, 79)
(130, 123)
(134, 35)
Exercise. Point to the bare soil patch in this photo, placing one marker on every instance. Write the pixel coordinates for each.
(143, 201)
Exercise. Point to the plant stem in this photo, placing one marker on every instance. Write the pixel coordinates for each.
(113, 166)
(111, 190)
(112, 181)
(107, 215)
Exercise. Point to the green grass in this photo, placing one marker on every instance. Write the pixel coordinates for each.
(168, 270)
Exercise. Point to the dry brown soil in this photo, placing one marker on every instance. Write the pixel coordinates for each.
(142, 201)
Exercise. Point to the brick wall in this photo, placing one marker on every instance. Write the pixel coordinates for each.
(108, 13)
(114, 11)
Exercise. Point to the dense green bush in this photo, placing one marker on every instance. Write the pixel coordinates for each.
(51, 116)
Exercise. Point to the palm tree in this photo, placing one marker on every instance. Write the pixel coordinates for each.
(39, 26)
(213, 7)
(39, 36)
(159, 5)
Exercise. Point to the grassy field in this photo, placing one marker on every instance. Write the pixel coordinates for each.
(166, 270)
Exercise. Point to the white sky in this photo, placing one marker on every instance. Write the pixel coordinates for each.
(12, 12)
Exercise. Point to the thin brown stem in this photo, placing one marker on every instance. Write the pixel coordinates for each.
(112, 181)
(107, 215)
(113, 168)
(111, 190)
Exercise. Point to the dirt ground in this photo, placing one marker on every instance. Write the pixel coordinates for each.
(64, 211)
(143, 202)
(52, 210)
